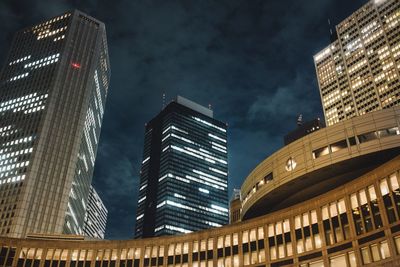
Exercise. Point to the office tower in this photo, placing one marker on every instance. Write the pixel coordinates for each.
(303, 128)
(53, 88)
(359, 72)
(184, 173)
(96, 216)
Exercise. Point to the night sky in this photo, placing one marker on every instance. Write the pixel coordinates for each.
(251, 60)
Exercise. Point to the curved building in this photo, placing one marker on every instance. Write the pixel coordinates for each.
(321, 161)
(348, 215)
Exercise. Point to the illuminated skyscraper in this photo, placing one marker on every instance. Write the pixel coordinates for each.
(359, 72)
(184, 174)
(53, 88)
(96, 216)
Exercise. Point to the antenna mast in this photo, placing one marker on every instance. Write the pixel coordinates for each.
(163, 100)
(332, 32)
(300, 120)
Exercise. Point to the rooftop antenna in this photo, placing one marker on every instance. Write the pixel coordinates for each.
(163, 100)
(330, 27)
(332, 32)
(300, 120)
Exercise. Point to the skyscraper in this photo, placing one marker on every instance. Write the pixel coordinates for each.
(184, 173)
(53, 89)
(96, 216)
(359, 72)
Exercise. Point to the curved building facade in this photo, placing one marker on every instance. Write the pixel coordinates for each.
(321, 161)
(353, 222)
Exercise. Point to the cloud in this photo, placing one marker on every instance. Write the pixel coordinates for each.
(116, 178)
(286, 102)
(282, 104)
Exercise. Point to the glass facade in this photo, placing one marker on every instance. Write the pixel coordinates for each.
(25, 84)
(95, 217)
(185, 165)
(97, 88)
(52, 93)
(359, 72)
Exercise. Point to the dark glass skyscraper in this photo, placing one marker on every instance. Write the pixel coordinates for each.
(184, 174)
(53, 89)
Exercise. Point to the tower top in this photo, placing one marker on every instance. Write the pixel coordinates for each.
(192, 105)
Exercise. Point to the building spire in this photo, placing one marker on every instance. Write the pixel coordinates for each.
(163, 100)
(332, 32)
(300, 120)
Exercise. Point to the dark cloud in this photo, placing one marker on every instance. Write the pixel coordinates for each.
(251, 60)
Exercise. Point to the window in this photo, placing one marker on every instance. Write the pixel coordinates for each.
(366, 214)
(391, 196)
(279, 239)
(375, 252)
(365, 255)
(338, 261)
(338, 146)
(245, 245)
(352, 259)
(397, 242)
(236, 261)
(367, 137)
(307, 234)
(320, 152)
(220, 242)
(335, 222)
(352, 141)
(316, 264)
(269, 177)
(388, 132)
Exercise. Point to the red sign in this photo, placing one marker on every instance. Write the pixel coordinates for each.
(76, 65)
